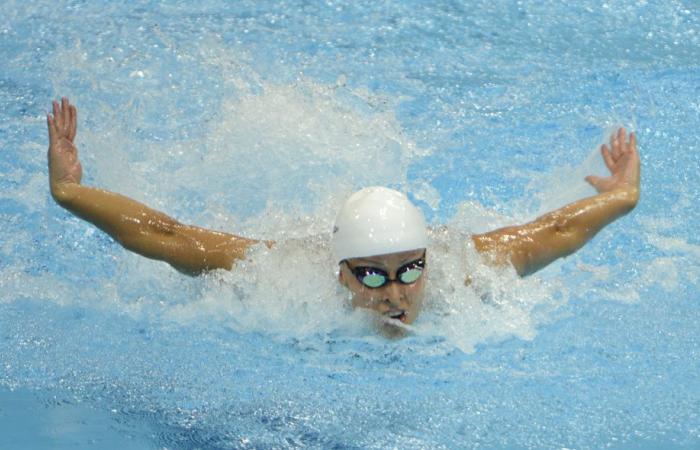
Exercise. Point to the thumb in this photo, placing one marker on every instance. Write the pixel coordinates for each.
(593, 180)
(596, 182)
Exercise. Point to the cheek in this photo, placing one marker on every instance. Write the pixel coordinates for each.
(361, 297)
(416, 289)
(416, 294)
(364, 298)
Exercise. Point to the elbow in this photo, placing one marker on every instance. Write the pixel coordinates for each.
(162, 225)
(568, 238)
(567, 232)
(561, 226)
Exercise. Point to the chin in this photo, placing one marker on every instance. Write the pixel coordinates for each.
(391, 328)
(391, 331)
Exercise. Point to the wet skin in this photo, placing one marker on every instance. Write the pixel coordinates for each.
(193, 250)
(394, 300)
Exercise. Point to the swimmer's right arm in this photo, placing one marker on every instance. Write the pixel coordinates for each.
(135, 226)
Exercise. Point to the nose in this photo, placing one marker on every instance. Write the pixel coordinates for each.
(393, 294)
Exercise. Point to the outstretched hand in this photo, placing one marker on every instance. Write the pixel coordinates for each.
(64, 166)
(622, 160)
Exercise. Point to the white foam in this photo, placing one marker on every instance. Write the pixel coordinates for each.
(273, 161)
(291, 290)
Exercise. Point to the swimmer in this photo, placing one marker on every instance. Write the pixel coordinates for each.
(379, 239)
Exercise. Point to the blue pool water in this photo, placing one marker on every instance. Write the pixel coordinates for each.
(258, 118)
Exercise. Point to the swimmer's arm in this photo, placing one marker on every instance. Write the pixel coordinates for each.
(150, 233)
(138, 228)
(534, 245)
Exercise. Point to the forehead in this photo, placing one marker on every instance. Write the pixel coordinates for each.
(388, 259)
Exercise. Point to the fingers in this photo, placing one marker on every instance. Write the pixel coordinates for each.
(620, 145)
(52, 129)
(622, 135)
(616, 142)
(609, 163)
(628, 144)
(622, 140)
(65, 110)
(57, 115)
(64, 122)
(73, 123)
(65, 116)
(618, 157)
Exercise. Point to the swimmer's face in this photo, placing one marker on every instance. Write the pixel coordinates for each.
(394, 300)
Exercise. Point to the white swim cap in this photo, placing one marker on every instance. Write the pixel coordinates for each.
(377, 221)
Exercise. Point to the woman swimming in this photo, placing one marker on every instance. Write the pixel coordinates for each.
(379, 238)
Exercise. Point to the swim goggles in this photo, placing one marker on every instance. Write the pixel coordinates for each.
(375, 278)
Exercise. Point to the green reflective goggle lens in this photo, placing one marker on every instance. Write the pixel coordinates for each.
(373, 280)
(373, 277)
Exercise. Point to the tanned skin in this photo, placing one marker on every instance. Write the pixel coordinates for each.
(532, 246)
(135, 226)
(194, 250)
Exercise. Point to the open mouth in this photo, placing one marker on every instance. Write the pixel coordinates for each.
(397, 315)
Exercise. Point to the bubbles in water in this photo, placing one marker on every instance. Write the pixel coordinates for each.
(273, 161)
(189, 124)
(288, 289)
(470, 302)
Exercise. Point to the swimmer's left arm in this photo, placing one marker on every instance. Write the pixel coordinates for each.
(534, 245)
